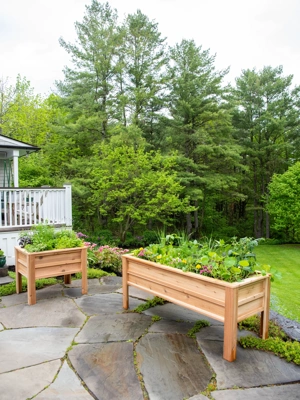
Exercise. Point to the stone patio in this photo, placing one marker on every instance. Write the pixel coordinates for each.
(70, 346)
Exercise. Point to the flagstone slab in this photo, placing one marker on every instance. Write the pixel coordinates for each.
(288, 392)
(73, 293)
(5, 279)
(172, 366)
(113, 328)
(104, 304)
(27, 382)
(251, 367)
(27, 347)
(103, 289)
(108, 370)
(198, 397)
(14, 299)
(177, 313)
(66, 386)
(138, 293)
(167, 326)
(49, 292)
(1, 327)
(111, 280)
(51, 312)
(78, 283)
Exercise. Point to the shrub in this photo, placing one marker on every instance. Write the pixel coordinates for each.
(109, 258)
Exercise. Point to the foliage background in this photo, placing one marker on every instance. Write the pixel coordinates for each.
(150, 136)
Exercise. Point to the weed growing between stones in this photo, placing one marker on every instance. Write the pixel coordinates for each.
(210, 387)
(156, 318)
(138, 372)
(148, 304)
(196, 328)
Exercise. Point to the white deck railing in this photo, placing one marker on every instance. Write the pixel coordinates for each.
(24, 207)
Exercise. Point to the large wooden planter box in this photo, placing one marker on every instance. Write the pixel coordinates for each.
(227, 302)
(47, 264)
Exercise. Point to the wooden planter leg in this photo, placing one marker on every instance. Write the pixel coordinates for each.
(264, 316)
(18, 275)
(84, 282)
(125, 285)
(67, 279)
(18, 282)
(31, 292)
(230, 324)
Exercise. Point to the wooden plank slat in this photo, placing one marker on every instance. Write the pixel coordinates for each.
(146, 282)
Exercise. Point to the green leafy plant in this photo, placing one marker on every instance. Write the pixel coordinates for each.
(229, 261)
(44, 237)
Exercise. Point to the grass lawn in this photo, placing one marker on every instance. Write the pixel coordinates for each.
(285, 291)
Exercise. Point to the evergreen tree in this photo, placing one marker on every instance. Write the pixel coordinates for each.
(145, 65)
(266, 119)
(200, 128)
(88, 88)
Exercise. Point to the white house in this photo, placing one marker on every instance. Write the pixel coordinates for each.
(23, 207)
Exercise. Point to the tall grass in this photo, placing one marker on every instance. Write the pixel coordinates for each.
(285, 291)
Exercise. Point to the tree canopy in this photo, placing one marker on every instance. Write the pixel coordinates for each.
(150, 135)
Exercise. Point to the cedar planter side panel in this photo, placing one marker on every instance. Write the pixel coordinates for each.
(47, 264)
(223, 301)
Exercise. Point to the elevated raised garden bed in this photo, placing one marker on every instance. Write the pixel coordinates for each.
(47, 264)
(227, 302)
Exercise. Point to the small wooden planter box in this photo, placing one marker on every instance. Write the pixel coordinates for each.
(227, 302)
(47, 264)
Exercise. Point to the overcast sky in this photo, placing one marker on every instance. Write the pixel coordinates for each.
(243, 34)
